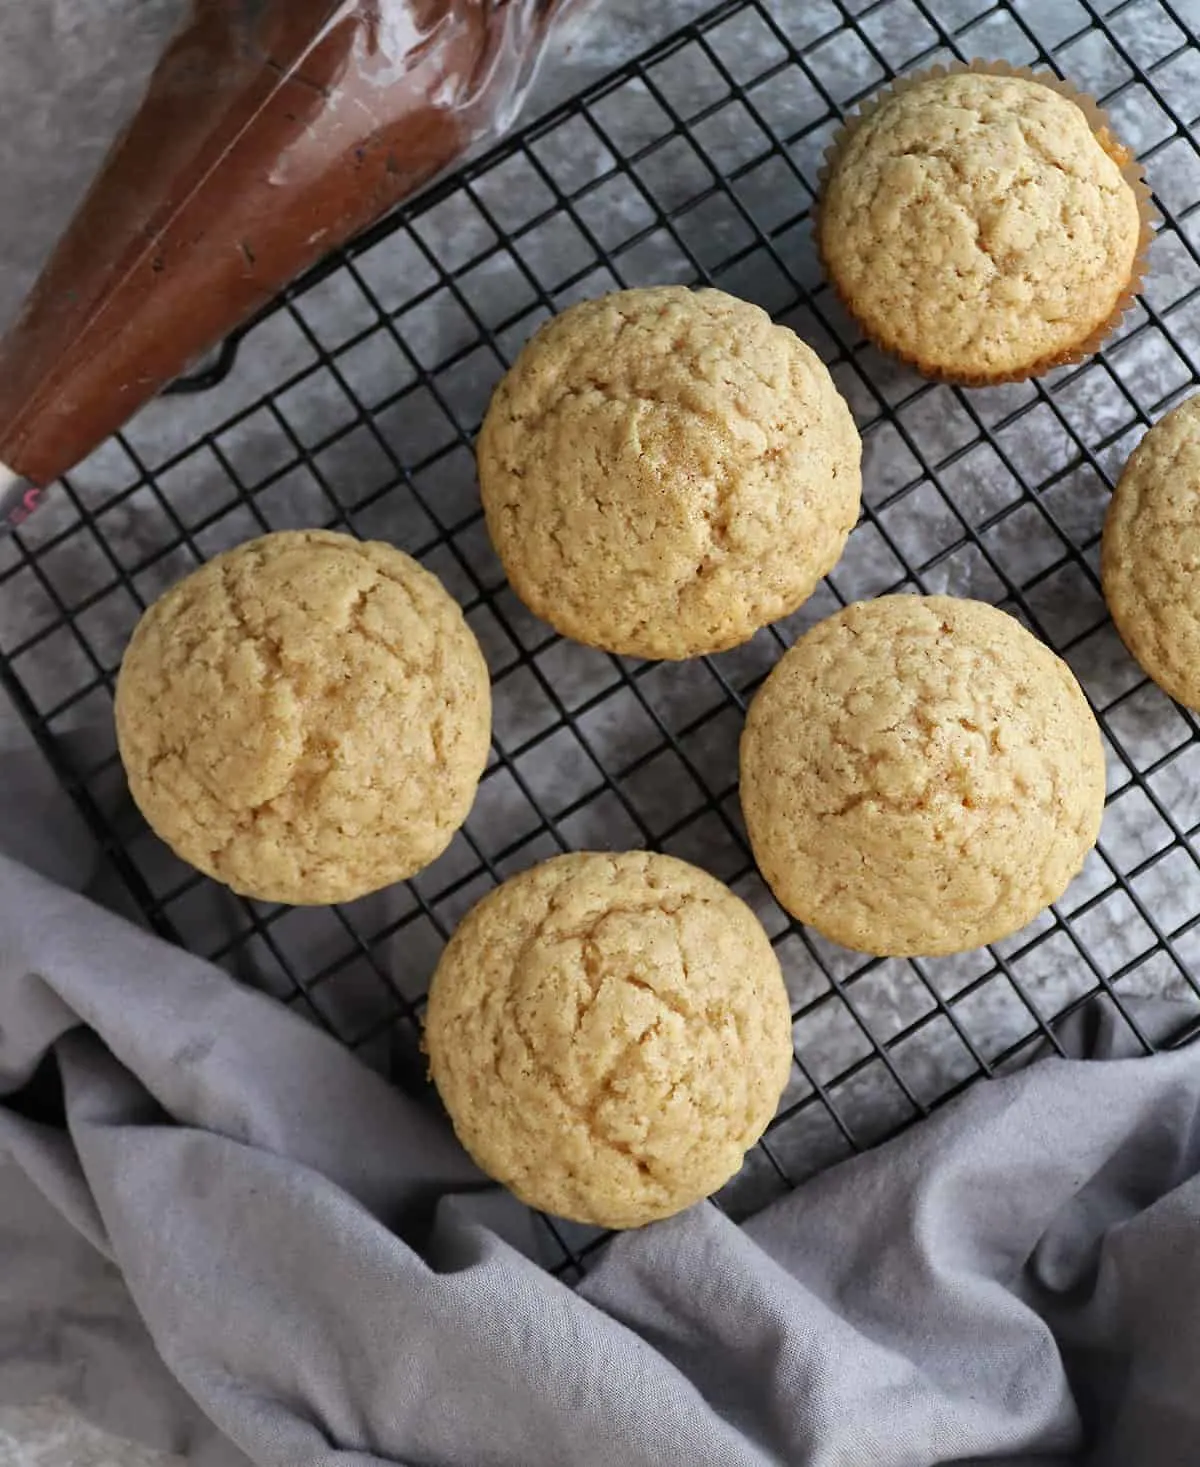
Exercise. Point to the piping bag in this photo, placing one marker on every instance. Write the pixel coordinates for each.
(271, 132)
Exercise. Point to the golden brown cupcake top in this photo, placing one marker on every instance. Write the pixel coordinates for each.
(920, 775)
(305, 718)
(665, 471)
(978, 225)
(610, 1033)
(1150, 556)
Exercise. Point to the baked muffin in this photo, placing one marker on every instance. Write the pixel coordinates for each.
(920, 775)
(305, 718)
(1150, 553)
(610, 1034)
(980, 225)
(665, 471)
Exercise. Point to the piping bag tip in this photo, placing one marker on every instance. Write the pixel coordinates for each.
(19, 497)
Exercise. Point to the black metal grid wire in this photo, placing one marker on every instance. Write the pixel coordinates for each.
(353, 402)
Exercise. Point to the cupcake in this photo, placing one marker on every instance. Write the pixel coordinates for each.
(920, 776)
(1150, 552)
(610, 1035)
(305, 718)
(665, 471)
(983, 224)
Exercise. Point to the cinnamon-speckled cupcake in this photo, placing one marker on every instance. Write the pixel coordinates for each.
(665, 471)
(983, 223)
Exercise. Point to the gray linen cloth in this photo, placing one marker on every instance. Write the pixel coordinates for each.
(222, 1233)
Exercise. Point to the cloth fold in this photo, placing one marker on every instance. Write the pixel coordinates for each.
(222, 1233)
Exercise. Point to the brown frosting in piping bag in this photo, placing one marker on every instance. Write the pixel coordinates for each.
(272, 131)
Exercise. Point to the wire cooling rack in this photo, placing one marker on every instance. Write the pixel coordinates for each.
(353, 402)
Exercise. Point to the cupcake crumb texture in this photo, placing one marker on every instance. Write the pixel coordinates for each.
(920, 776)
(665, 471)
(305, 718)
(1151, 551)
(979, 226)
(610, 1034)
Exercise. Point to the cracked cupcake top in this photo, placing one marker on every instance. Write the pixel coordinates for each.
(1151, 553)
(920, 775)
(978, 225)
(665, 471)
(610, 1034)
(305, 718)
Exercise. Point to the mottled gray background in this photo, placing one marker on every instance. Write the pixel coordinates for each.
(71, 71)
